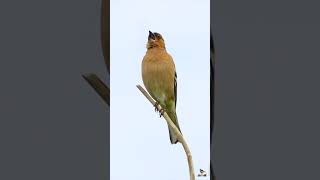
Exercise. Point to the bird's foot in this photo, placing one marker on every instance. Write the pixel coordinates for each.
(161, 111)
(156, 106)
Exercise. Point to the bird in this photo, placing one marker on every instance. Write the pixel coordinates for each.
(160, 79)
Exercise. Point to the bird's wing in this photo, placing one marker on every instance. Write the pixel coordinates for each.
(175, 88)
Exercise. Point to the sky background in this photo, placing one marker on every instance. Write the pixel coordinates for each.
(140, 145)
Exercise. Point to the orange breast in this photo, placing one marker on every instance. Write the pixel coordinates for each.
(158, 71)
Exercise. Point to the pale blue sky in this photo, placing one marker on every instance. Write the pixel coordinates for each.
(140, 145)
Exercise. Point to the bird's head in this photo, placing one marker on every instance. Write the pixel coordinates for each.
(155, 40)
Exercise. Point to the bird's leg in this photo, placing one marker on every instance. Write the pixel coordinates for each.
(161, 112)
(156, 106)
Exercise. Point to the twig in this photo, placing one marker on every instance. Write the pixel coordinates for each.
(176, 131)
(212, 87)
(105, 32)
(95, 82)
(98, 86)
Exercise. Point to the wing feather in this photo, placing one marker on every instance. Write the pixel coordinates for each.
(175, 89)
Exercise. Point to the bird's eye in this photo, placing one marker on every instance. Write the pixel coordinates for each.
(157, 35)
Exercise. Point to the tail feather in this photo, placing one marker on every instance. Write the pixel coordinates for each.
(173, 136)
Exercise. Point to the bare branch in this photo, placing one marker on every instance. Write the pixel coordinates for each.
(105, 32)
(98, 86)
(95, 82)
(176, 131)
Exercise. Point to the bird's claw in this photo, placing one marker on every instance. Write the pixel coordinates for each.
(161, 112)
(156, 106)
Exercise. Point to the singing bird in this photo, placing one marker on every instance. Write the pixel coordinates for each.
(160, 78)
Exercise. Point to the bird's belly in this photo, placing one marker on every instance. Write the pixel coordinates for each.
(158, 83)
(158, 88)
(158, 94)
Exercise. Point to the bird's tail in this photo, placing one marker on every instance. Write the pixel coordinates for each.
(173, 136)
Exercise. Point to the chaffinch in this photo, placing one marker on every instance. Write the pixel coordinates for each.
(160, 78)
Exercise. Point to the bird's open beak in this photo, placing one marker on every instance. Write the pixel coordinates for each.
(151, 36)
